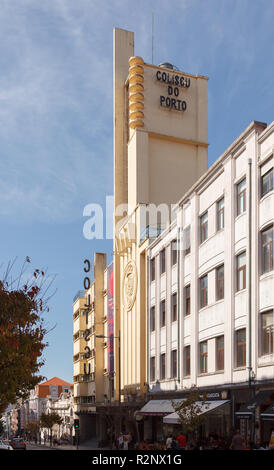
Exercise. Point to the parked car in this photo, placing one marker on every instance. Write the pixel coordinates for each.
(18, 443)
(4, 445)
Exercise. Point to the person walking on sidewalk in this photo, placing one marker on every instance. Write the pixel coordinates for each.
(237, 441)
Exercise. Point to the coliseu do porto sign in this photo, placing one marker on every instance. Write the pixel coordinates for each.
(175, 83)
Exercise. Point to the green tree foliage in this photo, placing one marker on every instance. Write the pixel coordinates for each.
(49, 420)
(22, 332)
(190, 410)
(32, 428)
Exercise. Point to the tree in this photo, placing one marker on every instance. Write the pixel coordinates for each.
(32, 428)
(190, 410)
(49, 420)
(22, 332)
(2, 429)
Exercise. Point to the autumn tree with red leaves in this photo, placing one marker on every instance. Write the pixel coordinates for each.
(22, 332)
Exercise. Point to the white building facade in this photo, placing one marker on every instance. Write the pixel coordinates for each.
(211, 301)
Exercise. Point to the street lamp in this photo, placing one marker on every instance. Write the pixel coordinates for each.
(119, 364)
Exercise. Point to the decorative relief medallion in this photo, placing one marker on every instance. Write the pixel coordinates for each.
(130, 285)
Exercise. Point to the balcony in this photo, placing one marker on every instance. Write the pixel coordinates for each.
(79, 295)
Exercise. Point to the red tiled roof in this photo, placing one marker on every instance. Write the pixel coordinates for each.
(56, 381)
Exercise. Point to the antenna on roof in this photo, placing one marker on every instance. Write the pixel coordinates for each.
(152, 38)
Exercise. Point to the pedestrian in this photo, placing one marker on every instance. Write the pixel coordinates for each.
(130, 440)
(121, 441)
(174, 443)
(169, 442)
(181, 439)
(237, 441)
(125, 446)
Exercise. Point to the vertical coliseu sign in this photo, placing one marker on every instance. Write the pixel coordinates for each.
(110, 319)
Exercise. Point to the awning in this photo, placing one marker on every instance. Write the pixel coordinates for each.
(268, 414)
(206, 407)
(247, 410)
(158, 407)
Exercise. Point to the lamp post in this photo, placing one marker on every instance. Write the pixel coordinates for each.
(119, 368)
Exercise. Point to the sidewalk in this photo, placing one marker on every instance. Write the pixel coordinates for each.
(88, 445)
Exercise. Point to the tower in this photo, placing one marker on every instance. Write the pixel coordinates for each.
(160, 150)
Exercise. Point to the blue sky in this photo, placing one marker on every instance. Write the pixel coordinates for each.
(56, 116)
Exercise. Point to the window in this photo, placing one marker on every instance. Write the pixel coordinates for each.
(152, 318)
(163, 313)
(187, 300)
(152, 270)
(186, 240)
(174, 307)
(163, 261)
(220, 214)
(240, 348)
(152, 369)
(267, 333)
(220, 283)
(220, 353)
(203, 227)
(203, 291)
(241, 271)
(162, 366)
(241, 197)
(174, 252)
(267, 182)
(267, 250)
(187, 361)
(203, 357)
(174, 363)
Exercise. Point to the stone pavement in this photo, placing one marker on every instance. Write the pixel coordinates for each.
(88, 445)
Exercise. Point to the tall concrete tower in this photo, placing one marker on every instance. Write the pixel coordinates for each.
(160, 150)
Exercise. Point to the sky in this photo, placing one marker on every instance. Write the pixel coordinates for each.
(56, 117)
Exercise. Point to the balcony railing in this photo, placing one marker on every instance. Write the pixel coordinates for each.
(80, 294)
(151, 232)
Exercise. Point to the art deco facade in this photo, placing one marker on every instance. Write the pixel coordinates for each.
(188, 315)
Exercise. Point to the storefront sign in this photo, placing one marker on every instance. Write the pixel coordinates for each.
(174, 83)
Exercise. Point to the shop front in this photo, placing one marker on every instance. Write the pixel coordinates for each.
(267, 425)
(216, 419)
(253, 420)
(153, 413)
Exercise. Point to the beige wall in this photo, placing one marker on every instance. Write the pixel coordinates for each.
(158, 154)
